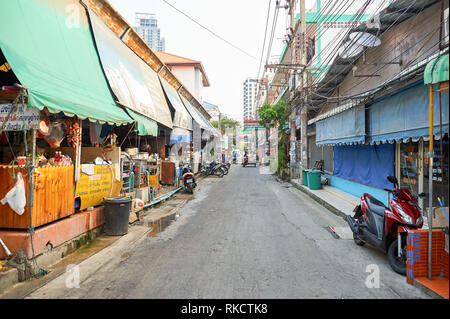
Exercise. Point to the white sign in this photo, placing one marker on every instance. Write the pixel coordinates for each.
(22, 118)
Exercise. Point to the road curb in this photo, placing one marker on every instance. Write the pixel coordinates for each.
(319, 200)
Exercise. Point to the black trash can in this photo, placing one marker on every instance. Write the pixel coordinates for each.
(117, 215)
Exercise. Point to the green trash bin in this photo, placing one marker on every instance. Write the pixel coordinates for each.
(305, 176)
(314, 180)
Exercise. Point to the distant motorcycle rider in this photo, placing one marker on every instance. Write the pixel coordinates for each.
(245, 160)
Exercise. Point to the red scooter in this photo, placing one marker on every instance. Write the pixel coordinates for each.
(384, 227)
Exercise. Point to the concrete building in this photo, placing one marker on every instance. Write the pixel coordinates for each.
(190, 72)
(147, 27)
(250, 90)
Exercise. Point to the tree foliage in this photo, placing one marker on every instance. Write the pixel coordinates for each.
(277, 116)
(224, 123)
(273, 115)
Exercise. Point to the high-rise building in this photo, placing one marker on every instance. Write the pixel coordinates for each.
(147, 27)
(250, 90)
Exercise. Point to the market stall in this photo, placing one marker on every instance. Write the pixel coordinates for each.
(22, 167)
(146, 169)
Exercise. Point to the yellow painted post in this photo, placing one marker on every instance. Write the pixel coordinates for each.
(430, 186)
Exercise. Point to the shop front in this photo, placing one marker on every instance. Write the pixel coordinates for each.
(402, 119)
(389, 136)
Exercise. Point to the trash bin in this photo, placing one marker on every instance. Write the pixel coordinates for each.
(305, 176)
(117, 215)
(314, 179)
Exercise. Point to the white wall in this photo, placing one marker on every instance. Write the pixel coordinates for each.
(191, 78)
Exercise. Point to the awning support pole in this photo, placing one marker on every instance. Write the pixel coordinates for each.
(430, 187)
(77, 147)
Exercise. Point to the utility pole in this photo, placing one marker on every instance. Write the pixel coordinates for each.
(293, 111)
(303, 106)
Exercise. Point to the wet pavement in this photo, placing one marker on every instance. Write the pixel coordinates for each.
(245, 235)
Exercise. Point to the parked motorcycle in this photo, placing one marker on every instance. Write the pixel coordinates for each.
(188, 179)
(225, 168)
(386, 228)
(212, 169)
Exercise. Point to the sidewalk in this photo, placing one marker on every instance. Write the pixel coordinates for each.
(342, 204)
(97, 253)
(336, 200)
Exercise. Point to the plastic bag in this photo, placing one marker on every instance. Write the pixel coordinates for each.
(16, 197)
(56, 135)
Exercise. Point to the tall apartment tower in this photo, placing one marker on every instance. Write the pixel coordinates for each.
(147, 27)
(249, 98)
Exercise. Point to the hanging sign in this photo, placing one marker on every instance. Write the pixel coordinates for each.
(21, 118)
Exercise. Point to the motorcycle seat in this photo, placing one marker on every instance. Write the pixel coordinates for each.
(376, 206)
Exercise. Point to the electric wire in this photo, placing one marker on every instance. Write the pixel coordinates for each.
(411, 32)
(264, 42)
(333, 56)
(210, 31)
(357, 16)
(387, 83)
(330, 3)
(428, 52)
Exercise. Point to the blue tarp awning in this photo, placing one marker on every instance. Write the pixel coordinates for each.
(179, 135)
(405, 114)
(345, 128)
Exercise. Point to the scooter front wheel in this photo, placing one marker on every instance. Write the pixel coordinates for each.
(397, 263)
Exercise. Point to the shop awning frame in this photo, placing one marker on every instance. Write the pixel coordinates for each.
(403, 116)
(135, 84)
(58, 64)
(346, 128)
(437, 70)
(146, 126)
(182, 118)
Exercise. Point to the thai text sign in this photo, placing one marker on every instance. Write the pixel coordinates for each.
(21, 118)
(92, 188)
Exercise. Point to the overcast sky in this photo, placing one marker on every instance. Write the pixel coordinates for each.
(240, 22)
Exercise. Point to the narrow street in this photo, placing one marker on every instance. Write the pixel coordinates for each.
(242, 236)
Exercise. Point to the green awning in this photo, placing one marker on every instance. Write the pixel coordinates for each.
(436, 70)
(49, 46)
(145, 125)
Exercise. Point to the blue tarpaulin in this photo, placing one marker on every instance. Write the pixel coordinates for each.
(365, 164)
(345, 128)
(179, 135)
(405, 114)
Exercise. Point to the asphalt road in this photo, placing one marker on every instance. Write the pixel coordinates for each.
(244, 236)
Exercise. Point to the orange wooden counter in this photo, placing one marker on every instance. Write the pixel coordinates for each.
(53, 196)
